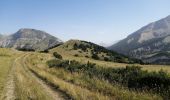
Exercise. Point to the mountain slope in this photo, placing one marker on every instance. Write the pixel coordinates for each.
(148, 42)
(30, 39)
(88, 50)
(1, 36)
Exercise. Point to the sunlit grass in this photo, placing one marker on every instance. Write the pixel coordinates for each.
(5, 66)
(95, 86)
(77, 85)
(27, 87)
(69, 55)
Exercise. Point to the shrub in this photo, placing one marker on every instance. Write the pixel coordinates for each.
(106, 59)
(87, 56)
(76, 55)
(57, 63)
(95, 56)
(52, 63)
(83, 47)
(56, 55)
(75, 47)
(25, 49)
(44, 51)
(131, 76)
(80, 51)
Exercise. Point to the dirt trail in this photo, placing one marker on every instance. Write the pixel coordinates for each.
(56, 95)
(9, 90)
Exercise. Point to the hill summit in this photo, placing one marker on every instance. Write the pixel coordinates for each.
(89, 50)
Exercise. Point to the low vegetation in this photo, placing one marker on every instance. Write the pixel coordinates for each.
(131, 77)
(79, 79)
(56, 55)
(96, 52)
(82, 79)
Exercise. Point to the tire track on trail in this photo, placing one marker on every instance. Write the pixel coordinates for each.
(56, 95)
(9, 89)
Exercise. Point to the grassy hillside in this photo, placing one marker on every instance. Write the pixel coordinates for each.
(80, 85)
(88, 50)
(68, 53)
(76, 77)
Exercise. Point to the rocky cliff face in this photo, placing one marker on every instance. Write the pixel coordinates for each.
(30, 39)
(151, 43)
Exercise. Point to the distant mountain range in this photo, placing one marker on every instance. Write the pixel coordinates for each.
(151, 43)
(29, 39)
(35, 40)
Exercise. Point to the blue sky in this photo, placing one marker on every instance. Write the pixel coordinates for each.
(92, 20)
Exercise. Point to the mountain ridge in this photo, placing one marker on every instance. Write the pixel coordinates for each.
(150, 39)
(30, 39)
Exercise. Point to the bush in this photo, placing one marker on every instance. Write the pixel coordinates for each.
(95, 56)
(57, 63)
(76, 55)
(87, 56)
(131, 76)
(83, 46)
(56, 55)
(25, 49)
(106, 59)
(44, 51)
(75, 47)
(52, 63)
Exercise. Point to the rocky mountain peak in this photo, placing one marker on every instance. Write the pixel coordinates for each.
(32, 39)
(150, 40)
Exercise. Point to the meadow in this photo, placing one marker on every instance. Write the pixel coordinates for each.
(99, 88)
(34, 78)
